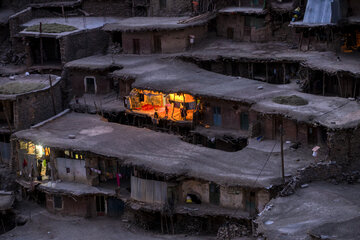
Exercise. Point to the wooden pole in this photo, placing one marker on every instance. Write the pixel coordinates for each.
(323, 83)
(41, 45)
(284, 72)
(282, 153)
(7, 117)
(339, 82)
(52, 95)
(267, 72)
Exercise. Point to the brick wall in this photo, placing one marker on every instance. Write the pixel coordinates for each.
(35, 107)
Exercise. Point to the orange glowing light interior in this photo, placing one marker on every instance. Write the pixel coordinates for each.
(173, 106)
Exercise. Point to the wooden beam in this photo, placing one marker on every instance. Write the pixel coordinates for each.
(323, 92)
(284, 73)
(267, 72)
(339, 82)
(52, 95)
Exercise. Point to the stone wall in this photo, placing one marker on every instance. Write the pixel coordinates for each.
(35, 107)
(83, 44)
(344, 147)
(118, 8)
(172, 8)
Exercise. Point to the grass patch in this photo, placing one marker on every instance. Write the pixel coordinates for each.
(290, 100)
(20, 87)
(51, 28)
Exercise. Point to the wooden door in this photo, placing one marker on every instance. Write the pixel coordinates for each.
(100, 205)
(217, 116)
(214, 193)
(157, 44)
(230, 33)
(136, 46)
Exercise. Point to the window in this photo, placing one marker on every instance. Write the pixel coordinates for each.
(217, 116)
(73, 155)
(58, 203)
(67, 170)
(90, 85)
(162, 4)
(244, 121)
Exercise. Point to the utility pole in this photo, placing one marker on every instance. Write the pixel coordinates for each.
(282, 153)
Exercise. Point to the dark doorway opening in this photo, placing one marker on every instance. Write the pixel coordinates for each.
(50, 51)
(214, 193)
(157, 44)
(100, 205)
(312, 135)
(230, 33)
(117, 38)
(136, 46)
(90, 85)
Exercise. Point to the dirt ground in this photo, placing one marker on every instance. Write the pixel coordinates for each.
(43, 226)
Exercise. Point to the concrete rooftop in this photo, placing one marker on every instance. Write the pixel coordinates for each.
(322, 209)
(170, 75)
(153, 23)
(22, 84)
(166, 154)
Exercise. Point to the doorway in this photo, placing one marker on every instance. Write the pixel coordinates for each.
(100, 205)
(90, 85)
(157, 44)
(214, 193)
(312, 135)
(217, 116)
(230, 33)
(136, 46)
(250, 203)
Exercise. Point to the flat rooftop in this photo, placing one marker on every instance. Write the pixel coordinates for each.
(166, 154)
(218, 48)
(15, 85)
(81, 23)
(322, 209)
(154, 23)
(172, 75)
(244, 10)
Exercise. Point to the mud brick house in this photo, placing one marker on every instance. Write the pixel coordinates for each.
(26, 101)
(157, 34)
(88, 155)
(246, 22)
(317, 31)
(63, 40)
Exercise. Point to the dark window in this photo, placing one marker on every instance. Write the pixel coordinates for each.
(67, 170)
(244, 121)
(162, 4)
(58, 202)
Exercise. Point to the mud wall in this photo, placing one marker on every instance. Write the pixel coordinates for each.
(118, 8)
(32, 108)
(83, 44)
